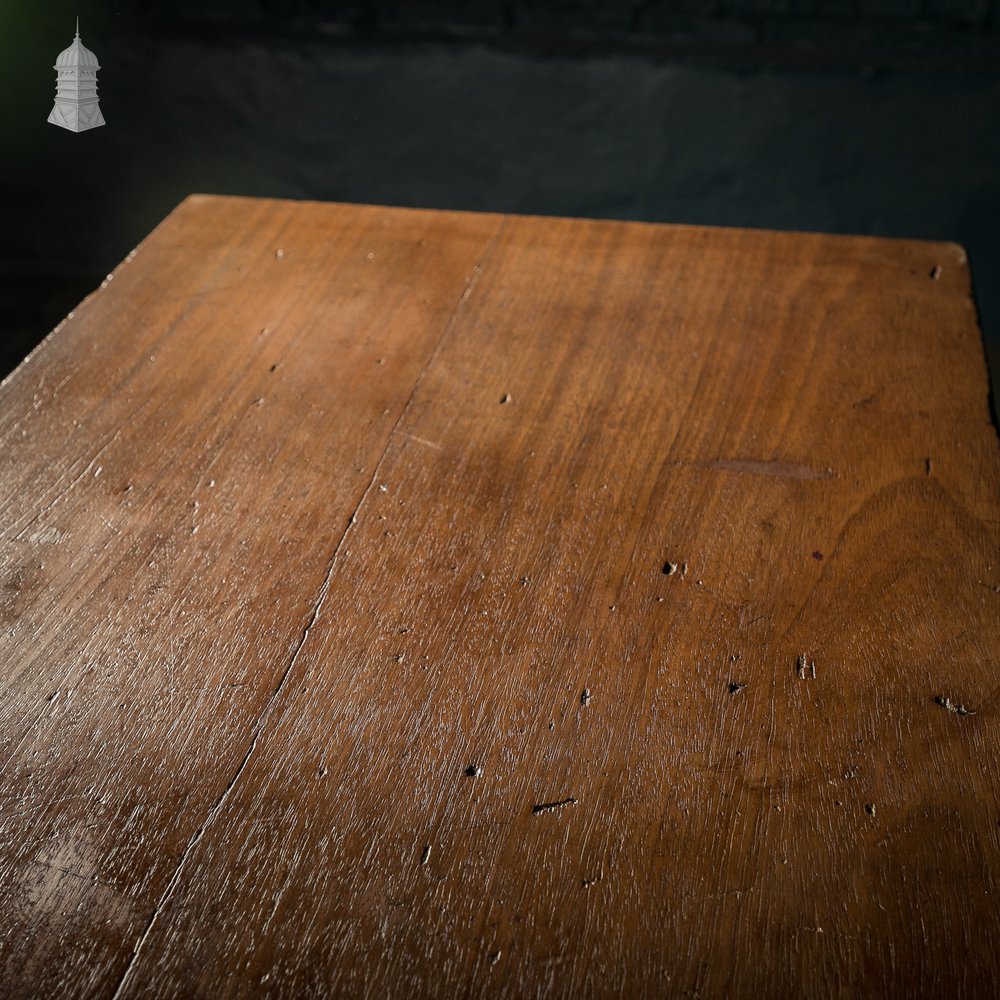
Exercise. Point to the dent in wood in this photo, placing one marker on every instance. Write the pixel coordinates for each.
(950, 706)
(805, 667)
(543, 807)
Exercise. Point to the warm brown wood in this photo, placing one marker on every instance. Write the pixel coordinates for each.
(267, 596)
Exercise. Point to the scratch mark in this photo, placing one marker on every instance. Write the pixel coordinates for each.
(463, 298)
(420, 440)
(274, 910)
(543, 807)
(56, 868)
(63, 491)
(178, 871)
(52, 698)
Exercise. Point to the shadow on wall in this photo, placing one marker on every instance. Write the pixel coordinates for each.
(236, 109)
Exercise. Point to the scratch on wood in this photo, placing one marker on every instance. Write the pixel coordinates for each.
(805, 668)
(463, 298)
(420, 440)
(64, 491)
(179, 870)
(543, 807)
(56, 868)
(261, 721)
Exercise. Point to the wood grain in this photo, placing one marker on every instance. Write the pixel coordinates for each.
(414, 603)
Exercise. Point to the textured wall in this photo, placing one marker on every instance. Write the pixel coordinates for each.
(960, 33)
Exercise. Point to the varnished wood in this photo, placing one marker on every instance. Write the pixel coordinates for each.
(426, 604)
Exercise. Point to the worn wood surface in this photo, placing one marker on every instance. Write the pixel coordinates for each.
(684, 542)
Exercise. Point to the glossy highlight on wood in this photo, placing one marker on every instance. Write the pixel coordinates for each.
(414, 603)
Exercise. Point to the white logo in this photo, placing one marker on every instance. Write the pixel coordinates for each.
(76, 106)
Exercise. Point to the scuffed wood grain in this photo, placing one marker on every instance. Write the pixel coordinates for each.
(180, 464)
(539, 607)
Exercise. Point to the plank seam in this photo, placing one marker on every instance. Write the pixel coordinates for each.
(317, 606)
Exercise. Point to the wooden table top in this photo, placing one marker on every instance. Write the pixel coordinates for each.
(407, 603)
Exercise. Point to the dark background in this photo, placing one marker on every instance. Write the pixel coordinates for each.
(861, 116)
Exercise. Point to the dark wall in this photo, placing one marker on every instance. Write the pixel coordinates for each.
(956, 33)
